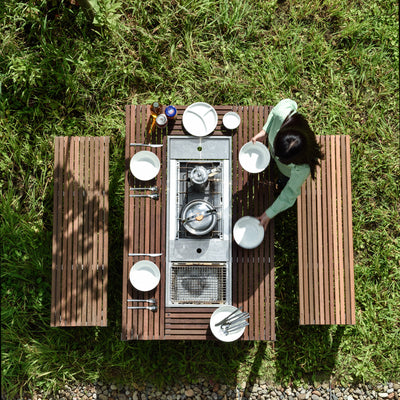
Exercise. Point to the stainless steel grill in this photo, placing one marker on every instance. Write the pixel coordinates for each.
(186, 193)
(199, 254)
(198, 284)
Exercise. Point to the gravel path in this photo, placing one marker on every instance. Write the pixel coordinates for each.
(214, 391)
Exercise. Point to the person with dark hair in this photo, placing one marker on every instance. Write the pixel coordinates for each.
(293, 147)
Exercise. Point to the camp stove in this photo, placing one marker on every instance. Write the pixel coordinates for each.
(199, 244)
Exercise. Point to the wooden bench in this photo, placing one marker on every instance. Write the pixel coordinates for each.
(253, 271)
(80, 232)
(325, 239)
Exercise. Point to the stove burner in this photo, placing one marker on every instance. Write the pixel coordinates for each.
(201, 183)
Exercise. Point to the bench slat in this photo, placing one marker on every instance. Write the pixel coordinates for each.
(326, 272)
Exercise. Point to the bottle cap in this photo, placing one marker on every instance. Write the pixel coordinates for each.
(170, 111)
(161, 120)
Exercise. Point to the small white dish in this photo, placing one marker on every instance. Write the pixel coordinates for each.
(254, 157)
(231, 120)
(144, 275)
(200, 119)
(145, 165)
(248, 232)
(218, 315)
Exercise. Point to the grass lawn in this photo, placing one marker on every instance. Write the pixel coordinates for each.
(60, 75)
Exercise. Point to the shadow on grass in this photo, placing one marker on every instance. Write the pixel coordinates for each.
(302, 352)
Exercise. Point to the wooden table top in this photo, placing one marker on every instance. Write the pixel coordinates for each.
(253, 273)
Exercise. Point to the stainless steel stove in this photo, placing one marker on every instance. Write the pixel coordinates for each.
(199, 201)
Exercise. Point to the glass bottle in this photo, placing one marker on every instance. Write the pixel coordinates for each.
(155, 110)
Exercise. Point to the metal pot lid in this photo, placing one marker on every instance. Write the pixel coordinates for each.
(199, 217)
(199, 175)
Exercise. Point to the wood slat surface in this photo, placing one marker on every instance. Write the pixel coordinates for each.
(325, 250)
(80, 232)
(145, 231)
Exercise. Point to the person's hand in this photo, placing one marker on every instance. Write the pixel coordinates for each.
(264, 220)
(259, 135)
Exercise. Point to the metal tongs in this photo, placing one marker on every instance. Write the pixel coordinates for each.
(234, 321)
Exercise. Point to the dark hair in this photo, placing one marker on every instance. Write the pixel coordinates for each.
(295, 143)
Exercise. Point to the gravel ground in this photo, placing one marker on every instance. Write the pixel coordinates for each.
(209, 390)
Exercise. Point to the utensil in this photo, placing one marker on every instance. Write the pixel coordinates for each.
(151, 308)
(229, 316)
(235, 328)
(145, 165)
(145, 254)
(152, 301)
(152, 189)
(236, 318)
(248, 232)
(148, 144)
(144, 275)
(152, 195)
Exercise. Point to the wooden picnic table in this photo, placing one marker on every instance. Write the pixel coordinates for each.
(253, 275)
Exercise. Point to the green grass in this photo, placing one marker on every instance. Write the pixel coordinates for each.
(59, 75)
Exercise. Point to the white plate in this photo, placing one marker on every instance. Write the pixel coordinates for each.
(218, 315)
(200, 119)
(231, 120)
(144, 275)
(248, 232)
(145, 165)
(254, 157)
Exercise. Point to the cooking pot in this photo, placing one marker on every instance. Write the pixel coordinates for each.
(199, 217)
(199, 177)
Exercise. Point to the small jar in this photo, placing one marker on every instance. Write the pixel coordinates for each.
(170, 112)
(161, 121)
(155, 109)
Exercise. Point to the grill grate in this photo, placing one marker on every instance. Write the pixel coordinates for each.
(198, 284)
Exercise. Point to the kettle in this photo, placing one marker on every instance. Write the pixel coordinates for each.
(199, 177)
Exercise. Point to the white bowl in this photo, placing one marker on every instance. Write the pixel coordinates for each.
(254, 157)
(144, 275)
(218, 315)
(200, 119)
(145, 165)
(248, 232)
(231, 120)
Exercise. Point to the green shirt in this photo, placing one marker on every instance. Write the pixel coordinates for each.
(297, 174)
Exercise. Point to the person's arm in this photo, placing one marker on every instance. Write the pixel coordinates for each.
(259, 135)
(290, 192)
